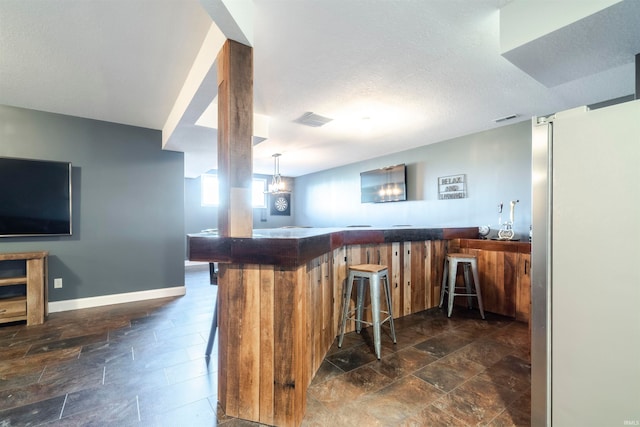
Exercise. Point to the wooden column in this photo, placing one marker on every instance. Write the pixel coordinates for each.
(239, 289)
(235, 127)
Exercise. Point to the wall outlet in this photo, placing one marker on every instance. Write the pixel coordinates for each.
(57, 283)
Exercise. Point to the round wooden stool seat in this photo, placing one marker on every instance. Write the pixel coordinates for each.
(368, 268)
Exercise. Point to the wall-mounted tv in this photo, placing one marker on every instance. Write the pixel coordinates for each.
(35, 197)
(387, 184)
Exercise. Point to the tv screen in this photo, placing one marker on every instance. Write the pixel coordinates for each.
(35, 197)
(384, 185)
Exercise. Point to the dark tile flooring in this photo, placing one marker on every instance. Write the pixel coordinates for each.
(143, 364)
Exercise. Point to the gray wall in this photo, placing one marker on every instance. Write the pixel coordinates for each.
(197, 217)
(128, 203)
(497, 164)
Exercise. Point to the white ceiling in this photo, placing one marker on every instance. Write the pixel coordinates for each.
(421, 71)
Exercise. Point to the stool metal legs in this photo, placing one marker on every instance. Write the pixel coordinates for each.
(360, 300)
(445, 283)
(345, 307)
(375, 280)
(449, 276)
(476, 282)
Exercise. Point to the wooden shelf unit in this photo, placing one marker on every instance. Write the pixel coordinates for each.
(31, 307)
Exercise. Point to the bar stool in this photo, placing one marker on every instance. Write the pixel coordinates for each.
(374, 273)
(449, 276)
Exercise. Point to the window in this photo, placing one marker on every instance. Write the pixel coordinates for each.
(210, 195)
(258, 197)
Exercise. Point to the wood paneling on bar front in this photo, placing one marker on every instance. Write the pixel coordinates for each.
(278, 320)
(267, 350)
(272, 342)
(414, 270)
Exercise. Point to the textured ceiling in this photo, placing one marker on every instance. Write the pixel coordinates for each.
(119, 61)
(392, 74)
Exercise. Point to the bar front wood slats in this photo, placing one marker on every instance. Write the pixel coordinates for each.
(280, 300)
(267, 355)
(249, 337)
(289, 327)
(397, 288)
(523, 290)
(433, 270)
(414, 270)
(406, 279)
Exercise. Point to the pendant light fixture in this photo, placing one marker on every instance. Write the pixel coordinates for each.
(277, 184)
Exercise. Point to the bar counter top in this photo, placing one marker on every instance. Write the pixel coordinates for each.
(290, 247)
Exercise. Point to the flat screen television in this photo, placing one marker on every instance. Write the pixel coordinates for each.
(387, 184)
(35, 197)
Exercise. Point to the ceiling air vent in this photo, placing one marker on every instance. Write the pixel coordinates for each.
(312, 119)
(258, 139)
(505, 118)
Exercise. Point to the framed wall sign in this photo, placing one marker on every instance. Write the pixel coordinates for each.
(280, 204)
(452, 187)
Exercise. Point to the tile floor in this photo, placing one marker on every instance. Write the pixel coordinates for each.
(461, 371)
(143, 364)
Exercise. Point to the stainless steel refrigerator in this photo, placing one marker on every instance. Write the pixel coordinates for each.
(585, 354)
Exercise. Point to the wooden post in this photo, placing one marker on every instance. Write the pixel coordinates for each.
(235, 127)
(238, 293)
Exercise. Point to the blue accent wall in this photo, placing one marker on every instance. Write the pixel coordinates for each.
(128, 203)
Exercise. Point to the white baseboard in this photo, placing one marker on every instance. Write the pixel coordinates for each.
(77, 304)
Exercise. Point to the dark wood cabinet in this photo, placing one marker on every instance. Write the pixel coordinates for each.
(504, 268)
(523, 288)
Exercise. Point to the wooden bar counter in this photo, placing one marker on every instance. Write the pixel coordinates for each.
(279, 296)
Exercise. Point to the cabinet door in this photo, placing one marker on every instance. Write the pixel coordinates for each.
(523, 296)
(498, 277)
